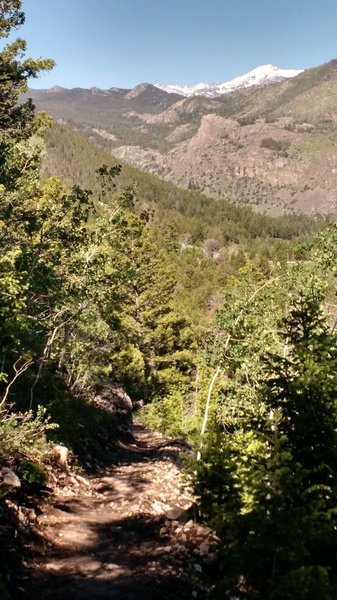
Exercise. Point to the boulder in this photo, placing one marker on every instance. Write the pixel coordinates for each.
(61, 454)
(10, 478)
(112, 399)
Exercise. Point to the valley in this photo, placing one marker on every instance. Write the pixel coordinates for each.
(271, 148)
(168, 342)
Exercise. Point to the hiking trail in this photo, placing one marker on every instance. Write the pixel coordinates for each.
(127, 533)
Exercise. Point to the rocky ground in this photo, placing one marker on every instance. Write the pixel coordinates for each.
(128, 532)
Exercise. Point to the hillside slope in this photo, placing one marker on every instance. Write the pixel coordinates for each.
(271, 148)
(74, 158)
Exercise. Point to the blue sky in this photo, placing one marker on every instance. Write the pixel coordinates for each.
(121, 43)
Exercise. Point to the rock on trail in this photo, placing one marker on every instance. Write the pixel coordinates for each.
(127, 533)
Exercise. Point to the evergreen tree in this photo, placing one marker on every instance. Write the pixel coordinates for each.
(43, 227)
(275, 497)
(17, 119)
(153, 348)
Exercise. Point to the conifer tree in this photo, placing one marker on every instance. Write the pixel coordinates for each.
(270, 485)
(43, 226)
(153, 348)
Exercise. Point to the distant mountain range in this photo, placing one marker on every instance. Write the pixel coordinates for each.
(270, 145)
(263, 75)
(257, 77)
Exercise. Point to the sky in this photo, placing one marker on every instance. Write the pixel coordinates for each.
(121, 43)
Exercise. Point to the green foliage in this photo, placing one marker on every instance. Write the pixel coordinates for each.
(15, 119)
(54, 270)
(269, 488)
(23, 434)
(32, 474)
(175, 415)
(154, 339)
(166, 414)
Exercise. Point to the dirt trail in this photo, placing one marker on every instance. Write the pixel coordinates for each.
(127, 533)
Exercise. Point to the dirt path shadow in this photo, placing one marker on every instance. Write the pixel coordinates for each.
(126, 533)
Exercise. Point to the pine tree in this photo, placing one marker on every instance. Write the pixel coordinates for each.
(275, 507)
(153, 354)
(43, 226)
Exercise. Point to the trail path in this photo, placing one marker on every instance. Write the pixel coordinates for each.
(123, 534)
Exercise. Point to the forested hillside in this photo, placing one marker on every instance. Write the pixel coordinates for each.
(213, 238)
(271, 148)
(119, 291)
(73, 158)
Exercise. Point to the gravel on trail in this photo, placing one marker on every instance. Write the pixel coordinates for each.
(128, 532)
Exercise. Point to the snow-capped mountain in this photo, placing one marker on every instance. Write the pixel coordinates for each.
(259, 76)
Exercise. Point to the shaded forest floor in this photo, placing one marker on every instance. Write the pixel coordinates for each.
(127, 532)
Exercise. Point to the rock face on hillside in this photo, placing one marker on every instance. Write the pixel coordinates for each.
(275, 166)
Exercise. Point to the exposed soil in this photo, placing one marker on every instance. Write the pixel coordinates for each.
(128, 532)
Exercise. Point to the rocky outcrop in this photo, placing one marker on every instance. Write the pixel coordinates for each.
(112, 399)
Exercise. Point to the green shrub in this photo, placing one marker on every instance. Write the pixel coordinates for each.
(266, 482)
(247, 120)
(32, 474)
(275, 145)
(23, 435)
(172, 415)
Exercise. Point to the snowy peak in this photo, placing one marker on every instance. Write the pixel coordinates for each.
(260, 76)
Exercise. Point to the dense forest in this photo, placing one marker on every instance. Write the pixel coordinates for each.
(221, 323)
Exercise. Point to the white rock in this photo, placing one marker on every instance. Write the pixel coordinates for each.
(189, 524)
(112, 567)
(61, 454)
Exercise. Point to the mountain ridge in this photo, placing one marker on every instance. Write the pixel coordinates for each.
(270, 147)
(262, 75)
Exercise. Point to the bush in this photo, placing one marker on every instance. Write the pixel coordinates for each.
(275, 145)
(247, 120)
(23, 436)
(267, 483)
(172, 415)
(32, 474)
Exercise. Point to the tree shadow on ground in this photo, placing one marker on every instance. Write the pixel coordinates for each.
(144, 449)
(125, 560)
